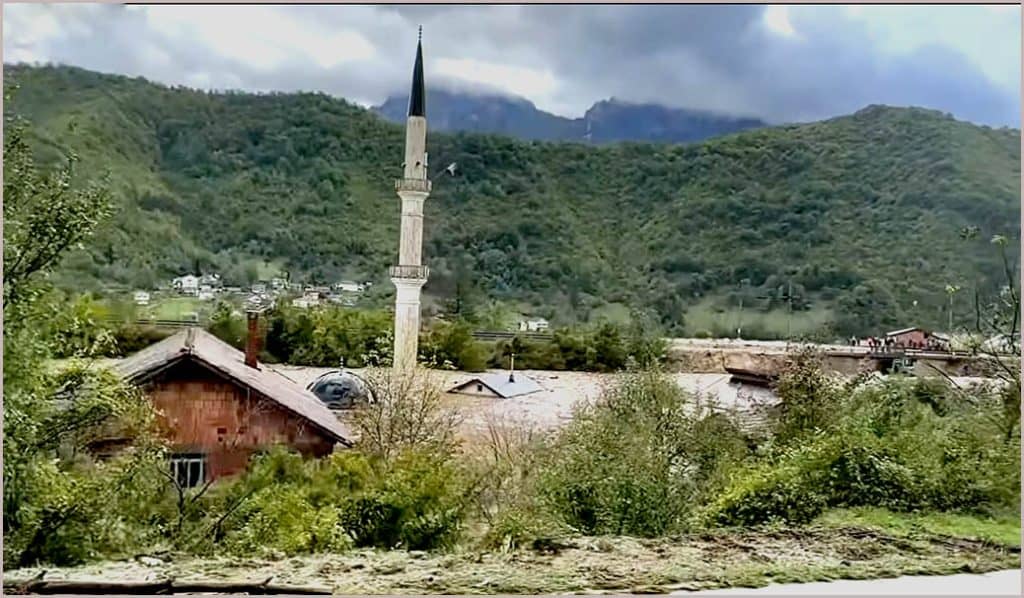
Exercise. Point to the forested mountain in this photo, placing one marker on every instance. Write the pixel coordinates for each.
(485, 113)
(859, 215)
(606, 121)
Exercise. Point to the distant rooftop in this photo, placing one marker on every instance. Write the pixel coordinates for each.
(499, 383)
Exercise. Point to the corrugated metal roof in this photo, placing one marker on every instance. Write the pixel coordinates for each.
(499, 383)
(198, 344)
(905, 330)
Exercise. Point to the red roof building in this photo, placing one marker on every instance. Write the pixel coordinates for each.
(218, 406)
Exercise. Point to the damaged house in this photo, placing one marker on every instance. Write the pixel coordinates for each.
(218, 406)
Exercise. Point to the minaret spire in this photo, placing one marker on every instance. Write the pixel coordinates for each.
(410, 274)
(417, 98)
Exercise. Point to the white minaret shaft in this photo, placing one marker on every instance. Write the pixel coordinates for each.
(413, 188)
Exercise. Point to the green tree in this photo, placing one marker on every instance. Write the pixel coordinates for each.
(45, 214)
(55, 498)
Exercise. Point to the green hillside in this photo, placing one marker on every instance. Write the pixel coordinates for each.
(861, 214)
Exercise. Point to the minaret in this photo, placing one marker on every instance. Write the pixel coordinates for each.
(413, 188)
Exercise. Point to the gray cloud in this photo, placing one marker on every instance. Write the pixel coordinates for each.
(710, 57)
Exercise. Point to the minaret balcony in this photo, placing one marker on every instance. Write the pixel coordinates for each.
(418, 185)
(410, 272)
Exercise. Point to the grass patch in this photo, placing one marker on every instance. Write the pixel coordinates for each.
(707, 317)
(175, 308)
(616, 313)
(1002, 527)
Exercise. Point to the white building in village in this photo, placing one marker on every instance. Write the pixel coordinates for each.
(210, 280)
(141, 298)
(349, 286)
(537, 325)
(186, 285)
(307, 300)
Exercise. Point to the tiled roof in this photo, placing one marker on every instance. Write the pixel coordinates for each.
(198, 344)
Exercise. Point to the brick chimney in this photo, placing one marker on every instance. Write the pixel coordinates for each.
(252, 339)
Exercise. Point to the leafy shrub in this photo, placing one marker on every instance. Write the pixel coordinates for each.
(808, 395)
(56, 497)
(604, 348)
(782, 489)
(636, 460)
(452, 344)
(329, 336)
(228, 327)
(888, 446)
(291, 505)
(415, 504)
(131, 338)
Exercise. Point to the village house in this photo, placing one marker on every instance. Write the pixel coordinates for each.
(536, 325)
(141, 298)
(218, 406)
(497, 385)
(307, 300)
(348, 286)
(210, 280)
(206, 293)
(186, 285)
(339, 299)
(916, 338)
(259, 300)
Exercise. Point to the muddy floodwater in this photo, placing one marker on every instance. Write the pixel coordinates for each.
(553, 405)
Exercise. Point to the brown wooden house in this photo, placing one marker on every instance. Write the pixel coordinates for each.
(219, 405)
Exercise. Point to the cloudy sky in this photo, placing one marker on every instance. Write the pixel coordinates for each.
(781, 63)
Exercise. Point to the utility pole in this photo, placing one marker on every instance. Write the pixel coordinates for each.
(789, 302)
(951, 290)
(510, 350)
(739, 318)
(789, 320)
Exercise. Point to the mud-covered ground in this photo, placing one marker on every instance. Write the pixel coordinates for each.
(587, 565)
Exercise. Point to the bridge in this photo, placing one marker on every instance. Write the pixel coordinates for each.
(768, 357)
(725, 355)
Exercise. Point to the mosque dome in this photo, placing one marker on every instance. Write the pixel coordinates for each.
(339, 389)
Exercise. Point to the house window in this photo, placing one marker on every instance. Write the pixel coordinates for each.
(189, 469)
(479, 387)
